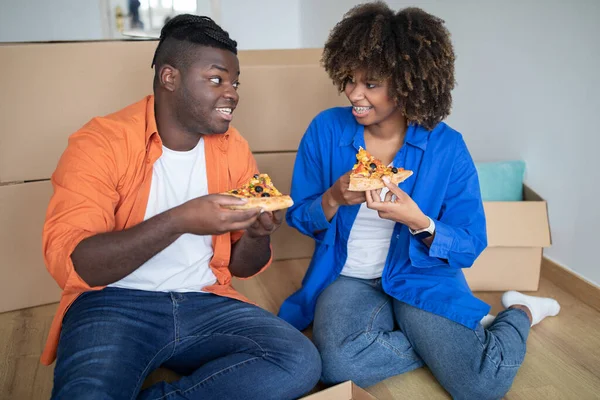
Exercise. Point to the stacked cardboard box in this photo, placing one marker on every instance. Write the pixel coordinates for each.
(282, 91)
(42, 105)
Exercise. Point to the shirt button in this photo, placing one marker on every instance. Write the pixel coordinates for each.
(397, 236)
(148, 160)
(155, 140)
(417, 301)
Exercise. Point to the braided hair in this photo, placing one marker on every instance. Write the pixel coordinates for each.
(181, 33)
(411, 49)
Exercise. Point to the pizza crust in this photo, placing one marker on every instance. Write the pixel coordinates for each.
(266, 203)
(363, 183)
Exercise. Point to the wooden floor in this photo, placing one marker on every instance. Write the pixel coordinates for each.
(562, 362)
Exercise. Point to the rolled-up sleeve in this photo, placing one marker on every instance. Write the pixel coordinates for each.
(460, 229)
(82, 205)
(308, 187)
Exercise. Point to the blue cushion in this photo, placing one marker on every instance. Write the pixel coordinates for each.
(501, 181)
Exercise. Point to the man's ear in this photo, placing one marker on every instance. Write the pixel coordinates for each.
(169, 77)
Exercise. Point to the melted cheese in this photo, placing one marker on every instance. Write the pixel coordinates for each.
(363, 166)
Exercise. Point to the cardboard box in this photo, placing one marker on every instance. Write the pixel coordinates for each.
(25, 281)
(42, 106)
(281, 91)
(517, 234)
(287, 242)
(344, 391)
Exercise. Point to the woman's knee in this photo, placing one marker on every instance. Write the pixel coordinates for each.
(339, 366)
(480, 386)
(343, 361)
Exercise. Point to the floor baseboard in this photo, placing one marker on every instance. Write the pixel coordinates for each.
(565, 279)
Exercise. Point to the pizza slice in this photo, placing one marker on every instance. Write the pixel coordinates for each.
(260, 193)
(368, 171)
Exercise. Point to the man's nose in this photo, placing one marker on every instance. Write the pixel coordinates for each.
(231, 94)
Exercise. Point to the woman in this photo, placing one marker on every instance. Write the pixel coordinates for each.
(385, 287)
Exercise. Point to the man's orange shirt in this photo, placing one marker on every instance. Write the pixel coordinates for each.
(102, 184)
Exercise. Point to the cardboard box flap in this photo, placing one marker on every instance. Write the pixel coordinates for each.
(517, 224)
(530, 195)
(359, 393)
(344, 391)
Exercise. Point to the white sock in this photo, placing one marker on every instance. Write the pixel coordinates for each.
(487, 320)
(540, 307)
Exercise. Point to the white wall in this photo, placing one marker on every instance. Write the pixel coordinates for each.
(35, 20)
(484, 48)
(561, 136)
(528, 82)
(262, 24)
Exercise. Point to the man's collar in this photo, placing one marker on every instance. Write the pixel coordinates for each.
(151, 127)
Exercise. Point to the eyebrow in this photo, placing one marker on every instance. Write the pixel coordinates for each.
(221, 68)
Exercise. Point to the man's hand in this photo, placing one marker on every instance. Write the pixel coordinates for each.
(267, 223)
(252, 251)
(206, 215)
(397, 206)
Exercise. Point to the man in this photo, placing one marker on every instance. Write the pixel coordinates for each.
(145, 255)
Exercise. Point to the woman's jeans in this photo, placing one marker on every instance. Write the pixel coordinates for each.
(224, 348)
(366, 336)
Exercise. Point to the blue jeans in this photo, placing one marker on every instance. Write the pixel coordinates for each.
(366, 336)
(225, 349)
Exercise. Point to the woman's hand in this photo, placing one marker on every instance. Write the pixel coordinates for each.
(397, 206)
(339, 195)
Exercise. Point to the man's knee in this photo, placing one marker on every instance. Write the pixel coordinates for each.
(96, 372)
(302, 363)
(83, 388)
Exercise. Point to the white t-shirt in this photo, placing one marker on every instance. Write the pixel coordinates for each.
(368, 244)
(178, 176)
